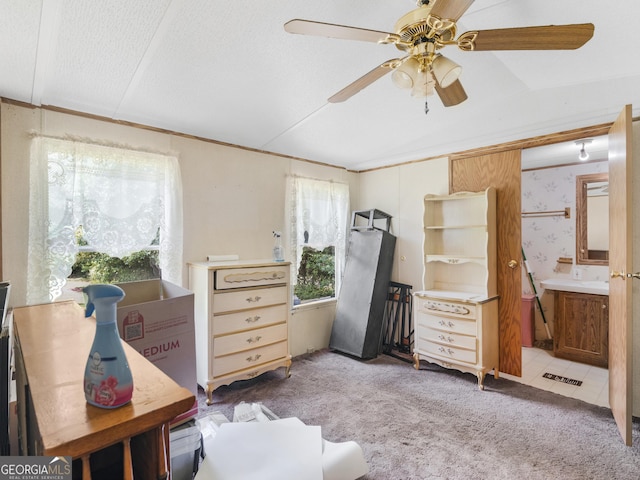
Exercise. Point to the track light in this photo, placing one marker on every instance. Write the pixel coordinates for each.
(583, 155)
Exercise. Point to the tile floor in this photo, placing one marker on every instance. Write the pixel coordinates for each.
(536, 362)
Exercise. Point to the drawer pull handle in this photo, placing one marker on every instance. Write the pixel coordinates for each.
(254, 299)
(448, 308)
(254, 358)
(449, 324)
(253, 374)
(252, 319)
(254, 339)
(446, 350)
(446, 339)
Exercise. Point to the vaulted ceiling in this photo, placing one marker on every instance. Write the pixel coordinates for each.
(227, 71)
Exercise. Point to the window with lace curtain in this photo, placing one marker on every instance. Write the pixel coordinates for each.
(121, 200)
(318, 216)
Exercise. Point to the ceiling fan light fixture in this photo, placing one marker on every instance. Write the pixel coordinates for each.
(401, 79)
(583, 155)
(405, 75)
(423, 85)
(445, 70)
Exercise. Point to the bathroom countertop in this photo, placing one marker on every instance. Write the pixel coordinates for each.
(594, 287)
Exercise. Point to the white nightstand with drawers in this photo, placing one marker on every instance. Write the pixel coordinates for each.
(457, 333)
(241, 320)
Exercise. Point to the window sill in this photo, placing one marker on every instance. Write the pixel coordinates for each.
(314, 305)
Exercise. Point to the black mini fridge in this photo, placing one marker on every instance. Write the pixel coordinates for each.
(358, 325)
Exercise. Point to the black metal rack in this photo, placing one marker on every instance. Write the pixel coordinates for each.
(398, 326)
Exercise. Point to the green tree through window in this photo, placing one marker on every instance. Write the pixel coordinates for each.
(316, 274)
(95, 267)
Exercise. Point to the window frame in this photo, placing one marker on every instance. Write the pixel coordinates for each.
(334, 221)
(50, 245)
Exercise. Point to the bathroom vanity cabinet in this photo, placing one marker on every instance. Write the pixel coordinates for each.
(581, 330)
(456, 324)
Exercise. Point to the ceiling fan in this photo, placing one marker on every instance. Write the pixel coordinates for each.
(422, 32)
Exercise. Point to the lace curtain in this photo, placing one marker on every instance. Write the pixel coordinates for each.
(320, 208)
(120, 197)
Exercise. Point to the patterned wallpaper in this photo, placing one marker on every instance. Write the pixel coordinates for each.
(547, 238)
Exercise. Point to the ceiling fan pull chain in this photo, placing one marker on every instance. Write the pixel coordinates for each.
(426, 107)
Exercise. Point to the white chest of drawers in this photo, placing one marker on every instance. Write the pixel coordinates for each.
(241, 320)
(457, 333)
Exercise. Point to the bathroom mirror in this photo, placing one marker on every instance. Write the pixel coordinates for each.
(592, 219)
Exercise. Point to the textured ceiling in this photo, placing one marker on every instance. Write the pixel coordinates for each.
(227, 71)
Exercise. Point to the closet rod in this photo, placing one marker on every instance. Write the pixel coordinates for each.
(566, 213)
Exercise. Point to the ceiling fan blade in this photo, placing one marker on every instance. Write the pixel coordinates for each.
(454, 94)
(551, 37)
(344, 32)
(450, 9)
(364, 81)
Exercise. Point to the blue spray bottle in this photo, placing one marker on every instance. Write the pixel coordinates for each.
(107, 379)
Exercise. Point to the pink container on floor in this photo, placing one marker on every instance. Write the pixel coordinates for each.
(527, 320)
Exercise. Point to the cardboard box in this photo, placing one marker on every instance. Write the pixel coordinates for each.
(156, 318)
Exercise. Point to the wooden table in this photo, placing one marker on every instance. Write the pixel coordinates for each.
(52, 346)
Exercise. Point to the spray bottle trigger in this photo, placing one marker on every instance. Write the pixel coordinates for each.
(89, 309)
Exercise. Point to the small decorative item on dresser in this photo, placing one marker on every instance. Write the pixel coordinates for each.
(278, 251)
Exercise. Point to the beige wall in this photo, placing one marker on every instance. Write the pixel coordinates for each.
(233, 198)
(399, 191)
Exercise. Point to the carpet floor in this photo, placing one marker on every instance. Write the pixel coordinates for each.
(436, 424)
